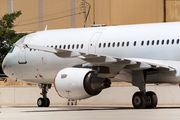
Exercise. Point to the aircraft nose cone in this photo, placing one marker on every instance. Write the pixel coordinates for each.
(3, 65)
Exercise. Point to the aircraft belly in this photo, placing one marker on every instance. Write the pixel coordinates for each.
(45, 81)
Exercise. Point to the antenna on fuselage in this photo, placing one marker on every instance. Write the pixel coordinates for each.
(46, 28)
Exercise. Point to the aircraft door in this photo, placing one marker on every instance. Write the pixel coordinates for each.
(22, 51)
(22, 56)
(93, 42)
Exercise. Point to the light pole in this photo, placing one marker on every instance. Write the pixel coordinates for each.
(84, 11)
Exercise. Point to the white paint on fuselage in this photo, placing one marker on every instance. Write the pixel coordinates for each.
(41, 67)
(48, 64)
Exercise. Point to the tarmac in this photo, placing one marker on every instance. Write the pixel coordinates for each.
(162, 112)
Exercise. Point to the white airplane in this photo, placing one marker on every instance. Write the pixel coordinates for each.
(82, 62)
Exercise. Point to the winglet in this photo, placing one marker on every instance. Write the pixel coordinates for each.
(46, 28)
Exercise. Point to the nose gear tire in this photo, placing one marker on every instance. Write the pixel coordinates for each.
(40, 102)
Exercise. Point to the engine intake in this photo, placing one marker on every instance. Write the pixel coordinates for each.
(79, 83)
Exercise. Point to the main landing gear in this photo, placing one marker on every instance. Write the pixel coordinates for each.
(142, 99)
(44, 101)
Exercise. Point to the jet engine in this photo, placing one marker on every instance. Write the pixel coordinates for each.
(79, 83)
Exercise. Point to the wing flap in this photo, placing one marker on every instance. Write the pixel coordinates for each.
(101, 59)
(150, 63)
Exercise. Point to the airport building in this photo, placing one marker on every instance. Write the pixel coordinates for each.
(59, 14)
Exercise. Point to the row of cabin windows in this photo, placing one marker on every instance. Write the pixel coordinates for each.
(64, 47)
(162, 42)
(153, 42)
(67, 46)
(113, 44)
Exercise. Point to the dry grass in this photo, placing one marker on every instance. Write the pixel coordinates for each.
(120, 83)
(10, 82)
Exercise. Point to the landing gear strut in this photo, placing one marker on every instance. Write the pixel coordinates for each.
(44, 101)
(142, 99)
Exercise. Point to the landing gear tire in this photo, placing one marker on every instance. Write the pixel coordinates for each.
(46, 102)
(40, 102)
(139, 100)
(152, 99)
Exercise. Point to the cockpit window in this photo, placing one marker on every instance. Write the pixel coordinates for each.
(12, 49)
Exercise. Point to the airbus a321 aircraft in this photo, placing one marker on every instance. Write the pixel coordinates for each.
(81, 62)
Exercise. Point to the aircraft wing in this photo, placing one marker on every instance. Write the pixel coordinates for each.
(103, 60)
(150, 63)
(58, 52)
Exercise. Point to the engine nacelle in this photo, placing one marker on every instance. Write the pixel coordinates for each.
(79, 83)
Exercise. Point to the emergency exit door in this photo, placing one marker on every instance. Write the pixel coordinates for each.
(93, 42)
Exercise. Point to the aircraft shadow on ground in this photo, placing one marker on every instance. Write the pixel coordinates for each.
(80, 108)
(90, 108)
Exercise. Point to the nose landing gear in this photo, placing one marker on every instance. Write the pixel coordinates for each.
(44, 101)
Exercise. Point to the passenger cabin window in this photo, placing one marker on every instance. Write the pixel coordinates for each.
(148, 42)
(55, 47)
(118, 44)
(122, 44)
(177, 41)
(73, 46)
(64, 46)
(81, 46)
(77, 46)
(104, 45)
(153, 42)
(162, 42)
(99, 45)
(172, 41)
(109, 44)
(142, 43)
(68, 46)
(157, 42)
(127, 44)
(134, 43)
(60, 47)
(113, 44)
(167, 42)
